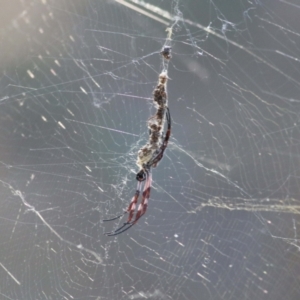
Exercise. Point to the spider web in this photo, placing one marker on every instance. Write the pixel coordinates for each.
(76, 94)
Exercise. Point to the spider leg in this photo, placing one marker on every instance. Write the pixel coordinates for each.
(146, 195)
(141, 210)
(126, 226)
(115, 218)
(130, 209)
(116, 232)
(132, 205)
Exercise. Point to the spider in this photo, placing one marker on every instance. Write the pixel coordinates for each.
(144, 179)
(166, 52)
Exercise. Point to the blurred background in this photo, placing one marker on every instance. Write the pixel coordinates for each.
(76, 87)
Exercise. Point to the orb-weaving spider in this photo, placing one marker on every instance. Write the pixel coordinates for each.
(166, 52)
(144, 178)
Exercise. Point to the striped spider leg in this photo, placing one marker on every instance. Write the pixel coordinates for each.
(144, 178)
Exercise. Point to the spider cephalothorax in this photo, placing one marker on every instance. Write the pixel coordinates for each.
(141, 176)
